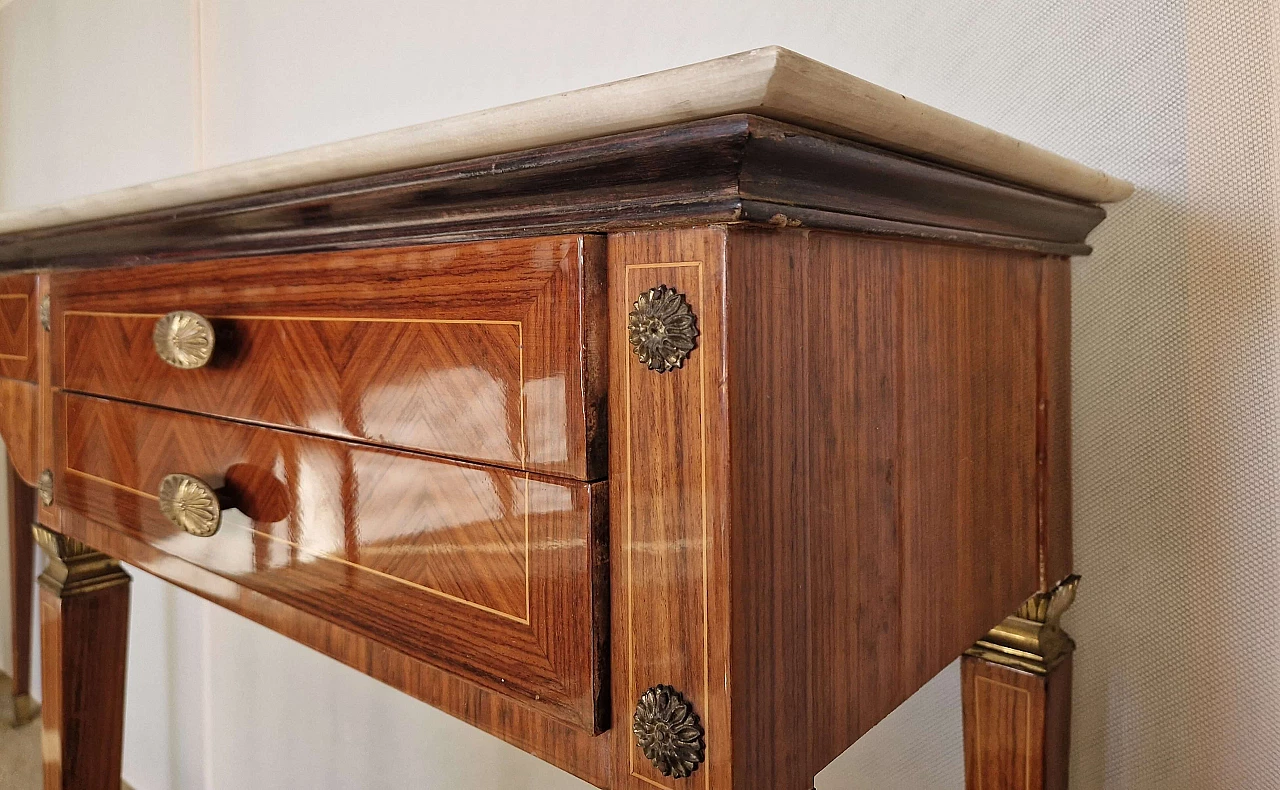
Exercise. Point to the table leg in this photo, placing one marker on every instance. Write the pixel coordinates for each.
(1016, 685)
(22, 507)
(84, 619)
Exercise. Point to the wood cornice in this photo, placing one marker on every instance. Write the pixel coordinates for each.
(734, 169)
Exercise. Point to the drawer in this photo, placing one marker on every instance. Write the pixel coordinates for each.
(18, 324)
(487, 352)
(493, 575)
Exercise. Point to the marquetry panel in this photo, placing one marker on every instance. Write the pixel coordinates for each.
(19, 323)
(480, 351)
(484, 572)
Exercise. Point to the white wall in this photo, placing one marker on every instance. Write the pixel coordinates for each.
(1175, 364)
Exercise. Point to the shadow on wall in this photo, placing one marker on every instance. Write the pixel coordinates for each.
(1176, 366)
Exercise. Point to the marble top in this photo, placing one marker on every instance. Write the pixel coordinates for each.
(772, 82)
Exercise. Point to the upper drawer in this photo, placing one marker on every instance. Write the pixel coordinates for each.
(18, 323)
(486, 351)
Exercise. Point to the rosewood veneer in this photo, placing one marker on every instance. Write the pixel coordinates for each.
(674, 431)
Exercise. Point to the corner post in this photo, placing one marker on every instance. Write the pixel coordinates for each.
(22, 509)
(84, 623)
(1016, 685)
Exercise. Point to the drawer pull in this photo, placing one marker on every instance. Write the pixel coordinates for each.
(184, 339)
(191, 504)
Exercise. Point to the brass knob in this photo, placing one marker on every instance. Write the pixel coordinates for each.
(184, 339)
(191, 504)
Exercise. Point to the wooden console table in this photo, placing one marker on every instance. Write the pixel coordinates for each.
(674, 430)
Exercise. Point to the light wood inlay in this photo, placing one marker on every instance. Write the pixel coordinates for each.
(482, 571)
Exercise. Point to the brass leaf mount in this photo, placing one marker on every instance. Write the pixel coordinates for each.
(668, 731)
(74, 568)
(190, 504)
(184, 339)
(1032, 639)
(662, 329)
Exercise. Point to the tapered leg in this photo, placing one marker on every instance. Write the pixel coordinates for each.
(1016, 685)
(22, 507)
(84, 619)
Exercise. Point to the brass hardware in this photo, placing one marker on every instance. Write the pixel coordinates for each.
(45, 486)
(44, 312)
(1032, 639)
(191, 504)
(184, 339)
(669, 732)
(75, 568)
(662, 329)
(25, 709)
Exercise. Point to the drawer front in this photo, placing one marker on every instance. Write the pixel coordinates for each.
(484, 351)
(19, 322)
(491, 574)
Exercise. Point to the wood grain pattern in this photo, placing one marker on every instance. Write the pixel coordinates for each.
(670, 539)
(923, 364)
(483, 572)
(684, 174)
(469, 351)
(19, 403)
(22, 508)
(567, 747)
(865, 456)
(83, 644)
(1017, 726)
(18, 326)
(1054, 430)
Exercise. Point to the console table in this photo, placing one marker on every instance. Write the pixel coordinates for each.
(674, 430)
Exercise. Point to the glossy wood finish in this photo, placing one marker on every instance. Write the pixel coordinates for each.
(22, 507)
(19, 323)
(670, 508)
(490, 574)
(479, 351)
(1017, 726)
(924, 477)
(1054, 428)
(84, 629)
(18, 413)
(729, 169)
(844, 485)
(568, 747)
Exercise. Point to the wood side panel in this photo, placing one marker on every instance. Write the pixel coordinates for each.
(1055, 432)
(852, 305)
(1017, 726)
(19, 323)
(19, 410)
(567, 747)
(468, 351)
(923, 487)
(669, 524)
(481, 571)
(771, 601)
(967, 448)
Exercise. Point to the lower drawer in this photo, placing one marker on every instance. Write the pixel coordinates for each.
(493, 575)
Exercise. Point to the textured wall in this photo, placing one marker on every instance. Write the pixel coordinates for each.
(1176, 369)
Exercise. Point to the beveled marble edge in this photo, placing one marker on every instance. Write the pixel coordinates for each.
(772, 82)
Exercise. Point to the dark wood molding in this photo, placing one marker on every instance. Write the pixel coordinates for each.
(734, 169)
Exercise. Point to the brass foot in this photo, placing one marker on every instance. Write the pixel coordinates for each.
(25, 709)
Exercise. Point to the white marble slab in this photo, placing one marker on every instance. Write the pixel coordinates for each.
(771, 82)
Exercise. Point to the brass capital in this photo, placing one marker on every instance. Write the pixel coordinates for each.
(1032, 639)
(74, 568)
